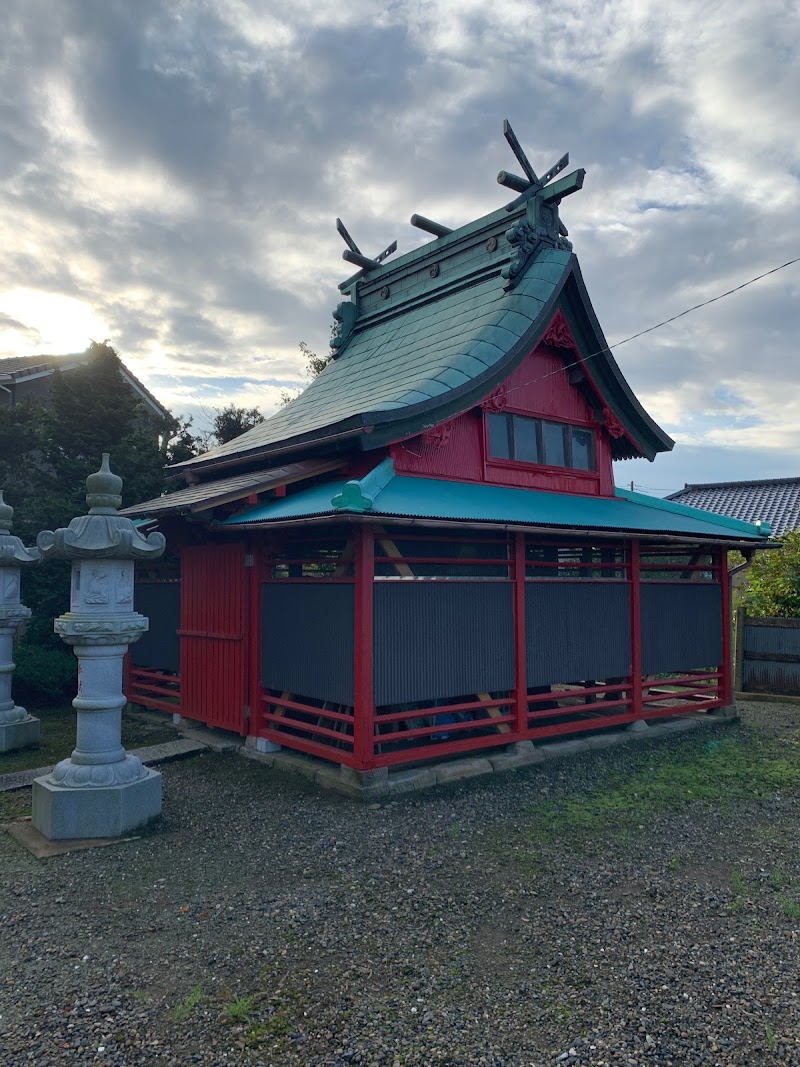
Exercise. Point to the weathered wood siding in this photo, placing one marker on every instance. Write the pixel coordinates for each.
(769, 655)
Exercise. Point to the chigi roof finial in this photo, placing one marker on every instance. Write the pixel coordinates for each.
(530, 185)
(353, 253)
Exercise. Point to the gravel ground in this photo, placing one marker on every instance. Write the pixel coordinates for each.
(488, 923)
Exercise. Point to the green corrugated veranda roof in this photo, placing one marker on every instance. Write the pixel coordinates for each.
(384, 493)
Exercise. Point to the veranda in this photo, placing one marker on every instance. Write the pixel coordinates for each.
(376, 644)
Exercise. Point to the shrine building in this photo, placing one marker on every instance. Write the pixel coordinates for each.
(424, 555)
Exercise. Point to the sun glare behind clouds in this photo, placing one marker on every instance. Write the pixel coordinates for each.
(32, 322)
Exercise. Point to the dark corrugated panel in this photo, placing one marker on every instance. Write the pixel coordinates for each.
(784, 640)
(764, 676)
(442, 639)
(307, 639)
(577, 631)
(160, 646)
(681, 626)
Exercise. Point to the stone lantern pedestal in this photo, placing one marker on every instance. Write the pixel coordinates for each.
(100, 791)
(18, 729)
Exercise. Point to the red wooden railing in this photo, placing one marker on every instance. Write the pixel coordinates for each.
(366, 737)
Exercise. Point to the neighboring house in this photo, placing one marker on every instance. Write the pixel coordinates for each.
(772, 500)
(28, 378)
(424, 553)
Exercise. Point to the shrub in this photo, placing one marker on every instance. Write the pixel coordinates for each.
(44, 676)
(774, 581)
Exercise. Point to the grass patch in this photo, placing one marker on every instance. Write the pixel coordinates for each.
(772, 1044)
(58, 732)
(15, 805)
(278, 1025)
(240, 1009)
(778, 880)
(184, 1008)
(791, 909)
(670, 779)
(639, 786)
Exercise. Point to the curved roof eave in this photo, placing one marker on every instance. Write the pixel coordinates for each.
(556, 282)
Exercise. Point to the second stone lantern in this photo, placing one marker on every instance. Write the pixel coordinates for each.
(100, 791)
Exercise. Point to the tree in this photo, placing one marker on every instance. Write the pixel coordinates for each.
(314, 365)
(774, 581)
(46, 454)
(231, 422)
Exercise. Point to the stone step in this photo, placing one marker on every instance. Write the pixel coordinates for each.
(150, 754)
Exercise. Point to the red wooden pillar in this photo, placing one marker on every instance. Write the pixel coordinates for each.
(726, 682)
(520, 649)
(364, 701)
(253, 564)
(636, 708)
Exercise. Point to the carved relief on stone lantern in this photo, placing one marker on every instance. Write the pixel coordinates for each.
(18, 729)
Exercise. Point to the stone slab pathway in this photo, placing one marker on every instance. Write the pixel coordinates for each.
(150, 754)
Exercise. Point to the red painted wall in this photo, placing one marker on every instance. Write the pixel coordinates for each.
(539, 386)
(214, 623)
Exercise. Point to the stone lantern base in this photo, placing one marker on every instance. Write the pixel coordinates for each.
(24, 733)
(64, 812)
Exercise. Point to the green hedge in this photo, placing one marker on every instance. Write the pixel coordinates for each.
(44, 676)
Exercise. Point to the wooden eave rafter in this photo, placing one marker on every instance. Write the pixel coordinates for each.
(170, 505)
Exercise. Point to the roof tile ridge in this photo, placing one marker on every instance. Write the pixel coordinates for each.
(664, 504)
(791, 480)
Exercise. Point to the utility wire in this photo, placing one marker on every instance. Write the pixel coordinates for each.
(657, 326)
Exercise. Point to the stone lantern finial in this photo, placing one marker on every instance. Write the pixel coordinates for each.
(18, 729)
(100, 791)
(103, 490)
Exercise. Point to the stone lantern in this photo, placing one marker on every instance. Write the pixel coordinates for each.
(100, 791)
(18, 729)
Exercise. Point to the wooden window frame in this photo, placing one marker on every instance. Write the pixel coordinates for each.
(546, 468)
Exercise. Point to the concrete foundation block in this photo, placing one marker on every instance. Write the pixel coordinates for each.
(515, 758)
(558, 749)
(261, 744)
(638, 727)
(521, 748)
(177, 720)
(372, 780)
(678, 725)
(460, 769)
(22, 734)
(105, 811)
(608, 740)
(412, 780)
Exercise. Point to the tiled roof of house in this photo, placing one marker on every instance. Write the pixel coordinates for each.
(18, 368)
(772, 500)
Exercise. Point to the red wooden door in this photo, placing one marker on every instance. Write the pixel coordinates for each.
(213, 635)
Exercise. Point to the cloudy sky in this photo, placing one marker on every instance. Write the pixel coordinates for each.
(170, 173)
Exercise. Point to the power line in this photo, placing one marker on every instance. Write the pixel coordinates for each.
(658, 325)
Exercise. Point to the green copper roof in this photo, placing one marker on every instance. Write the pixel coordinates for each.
(384, 493)
(430, 334)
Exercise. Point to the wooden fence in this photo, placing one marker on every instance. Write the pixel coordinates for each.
(767, 655)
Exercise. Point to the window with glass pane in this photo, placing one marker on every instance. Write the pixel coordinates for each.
(530, 440)
(526, 442)
(582, 442)
(501, 444)
(555, 453)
